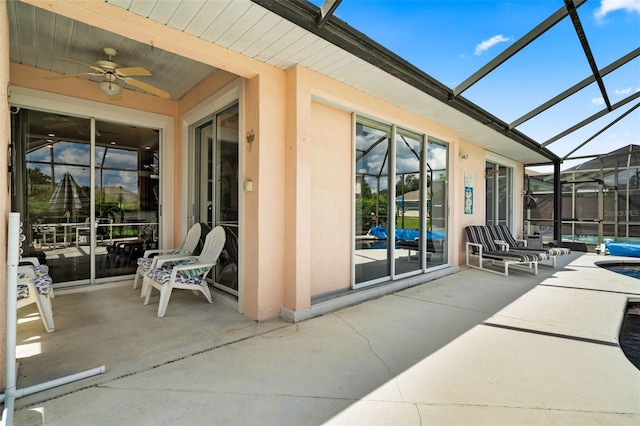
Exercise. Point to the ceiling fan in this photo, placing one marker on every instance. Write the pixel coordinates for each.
(113, 72)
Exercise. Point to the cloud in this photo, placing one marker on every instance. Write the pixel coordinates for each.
(597, 101)
(607, 6)
(487, 44)
(622, 92)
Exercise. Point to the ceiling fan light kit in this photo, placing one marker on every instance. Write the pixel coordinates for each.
(110, 88)
(111, 72)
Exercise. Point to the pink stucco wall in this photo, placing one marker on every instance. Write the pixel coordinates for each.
(331, 198)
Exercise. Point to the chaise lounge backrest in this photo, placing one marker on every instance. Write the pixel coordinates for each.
(481, 235)
(502, 233)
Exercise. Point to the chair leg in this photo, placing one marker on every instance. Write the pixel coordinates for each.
(135, 280)
(46, 313)
(165, 294)
(145, 285)
(146, 288)
(205, 290)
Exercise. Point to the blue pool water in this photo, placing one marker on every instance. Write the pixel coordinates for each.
(630, 269)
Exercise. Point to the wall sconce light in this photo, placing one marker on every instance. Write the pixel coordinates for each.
(464, 156)
(250, 138)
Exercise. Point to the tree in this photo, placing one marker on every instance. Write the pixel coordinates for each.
(36, 177)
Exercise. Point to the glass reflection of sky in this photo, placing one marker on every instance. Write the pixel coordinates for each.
(407, 155)
(127, 180)
(75, 158)
(375, 162)
(40, 154)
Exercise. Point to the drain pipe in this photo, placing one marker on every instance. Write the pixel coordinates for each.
(11, 393)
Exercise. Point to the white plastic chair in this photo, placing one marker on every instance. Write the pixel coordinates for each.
(146, 262)
(187, 273)
(35, 286)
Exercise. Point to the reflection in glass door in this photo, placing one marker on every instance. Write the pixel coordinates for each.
(372, 239)
(216, 191)
(127, 188)
(88, 214)
(401, 229)
(409, 211)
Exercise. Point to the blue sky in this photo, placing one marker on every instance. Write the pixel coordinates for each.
(451, 39)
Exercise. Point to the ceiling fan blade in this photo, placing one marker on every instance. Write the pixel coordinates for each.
(117, 97)
(92, 66)
(78, 74)
(147, 87)
(132, 71)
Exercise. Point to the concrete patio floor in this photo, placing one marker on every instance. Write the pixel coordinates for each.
(471, 348)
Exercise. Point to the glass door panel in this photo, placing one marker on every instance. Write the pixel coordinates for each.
(371, 239)
(408, 201)
(498, 180)
(437, 203)
(56, 191)
(127, 187)
(216, 190)
(227, 197)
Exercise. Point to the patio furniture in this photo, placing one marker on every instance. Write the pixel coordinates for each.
(150, 257)
(414, 245)
(188, 272)
(483, 248)
(35, 286)
(502, 235)
(42, 231)
(84, 231)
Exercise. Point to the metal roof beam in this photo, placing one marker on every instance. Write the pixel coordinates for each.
(326, 10)
(592, 118)
(576, 88)
(599, 132)
(520, 44)
(587, 49)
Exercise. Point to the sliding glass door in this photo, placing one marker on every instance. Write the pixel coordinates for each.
(399, 230)
(216, 188)
(88, 194)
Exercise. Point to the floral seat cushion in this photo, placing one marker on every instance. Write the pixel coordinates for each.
(145, 262)
(43, 286)
(162, 275)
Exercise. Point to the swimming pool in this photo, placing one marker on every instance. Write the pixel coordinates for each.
(630, 331)
(630, 334)
(630, 269)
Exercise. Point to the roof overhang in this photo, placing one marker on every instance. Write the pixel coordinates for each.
(474, 124)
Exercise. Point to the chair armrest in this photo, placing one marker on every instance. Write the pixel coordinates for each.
(33, 260)
(164, 259)
(148, 253)
(524, 242)
(167, 257)
(502, 244)
(194, 266)
(204, 267)
(478, 246)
